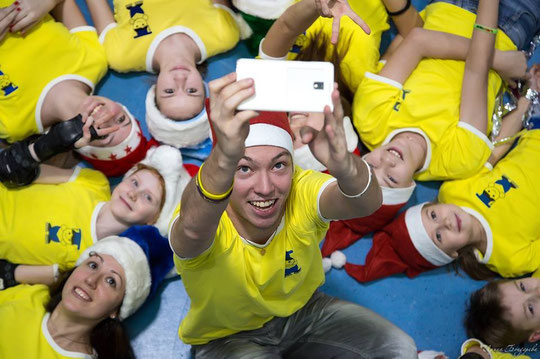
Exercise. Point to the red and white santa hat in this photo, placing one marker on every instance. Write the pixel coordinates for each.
(116, 160)
(417, 234)
(402, 246)
(167, 161)
(267, 129)
(186, 133)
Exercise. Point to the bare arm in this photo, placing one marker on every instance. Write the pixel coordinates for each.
(196, 226)
(421, 43)
(29, 274)
(53, 175)
(101, 13)
(69, 14)
(511, 125)
(473, 107)
(299, 17)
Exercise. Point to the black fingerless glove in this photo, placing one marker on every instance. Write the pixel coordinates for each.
(7, 274)
(17, 166)
(61, 138)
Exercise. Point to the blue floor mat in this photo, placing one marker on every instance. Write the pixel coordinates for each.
(430, 307)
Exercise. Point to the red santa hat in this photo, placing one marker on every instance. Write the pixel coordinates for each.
(267, 129)
(167, 161)
(116, 160)
(402, 246)
(342, 234)
(186, 133)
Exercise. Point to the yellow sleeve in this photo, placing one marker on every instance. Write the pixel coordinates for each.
(462, 152)
(94, 63)
(305, 193)
(90, 178)
(373, 105)
(493, 354)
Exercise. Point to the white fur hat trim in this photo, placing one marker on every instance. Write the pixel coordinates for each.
(397, 195)
(263, 134)
(135, 263)
(421, 240)
(167, 161)
(176, 133)
(121, 150)
(266, 9)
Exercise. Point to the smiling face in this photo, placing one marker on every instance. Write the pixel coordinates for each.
(95, 289)
(450, 227)
(261, 187)
(521, 297)
(395, 163)
(137, 199)
(180, 92)
(115, 115)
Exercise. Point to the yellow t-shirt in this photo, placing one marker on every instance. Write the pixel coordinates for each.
(31, 65)
(429, 101)
(140, 26)
(246, 285)
(360, 51)
(46, 224)
(23, 327)
(506, 198)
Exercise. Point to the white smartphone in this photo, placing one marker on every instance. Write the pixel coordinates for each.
(300, 86)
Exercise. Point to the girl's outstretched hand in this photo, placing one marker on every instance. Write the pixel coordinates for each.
(337, 9)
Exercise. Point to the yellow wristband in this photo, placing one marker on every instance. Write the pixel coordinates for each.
(486, 29)
(210, 196)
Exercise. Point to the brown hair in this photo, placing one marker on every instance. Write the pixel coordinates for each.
(468, 262)
(316, 51)
(486, 318)
(109, 338)
(141, 166)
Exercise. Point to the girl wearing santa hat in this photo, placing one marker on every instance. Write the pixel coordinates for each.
(50, 223)
(172, 40)
(81, 316)
(426, 117)
(404, 245)
(66, 62)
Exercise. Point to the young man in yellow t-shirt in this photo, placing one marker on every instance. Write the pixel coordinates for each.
(249, 255)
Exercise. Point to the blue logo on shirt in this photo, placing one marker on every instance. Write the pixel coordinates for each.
(6, 85)
(63, 235)
(496, 190)
(139, 20)
(291, 266)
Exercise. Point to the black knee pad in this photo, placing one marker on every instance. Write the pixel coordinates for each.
(17, 166)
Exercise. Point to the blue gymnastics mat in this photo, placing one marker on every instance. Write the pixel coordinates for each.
(430, 307)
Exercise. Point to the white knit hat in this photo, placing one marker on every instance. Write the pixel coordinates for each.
(167, 161)
(186, 133)
(135, 263)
